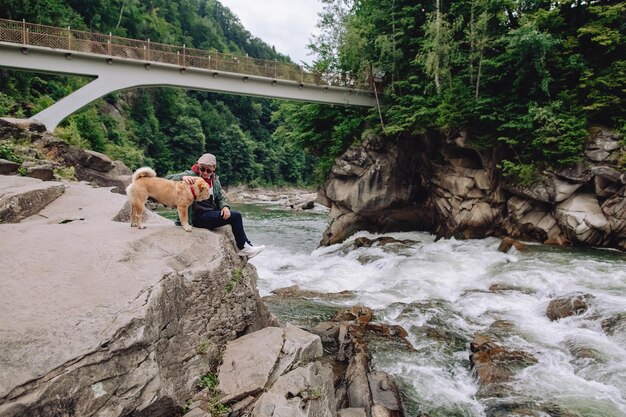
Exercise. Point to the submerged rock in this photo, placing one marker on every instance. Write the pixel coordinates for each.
(568, 306)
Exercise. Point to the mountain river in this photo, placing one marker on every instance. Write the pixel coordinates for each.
(454, 289)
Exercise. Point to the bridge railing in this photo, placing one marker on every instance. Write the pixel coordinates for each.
(29, 34)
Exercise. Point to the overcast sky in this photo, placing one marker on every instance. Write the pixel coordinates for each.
(285, 24)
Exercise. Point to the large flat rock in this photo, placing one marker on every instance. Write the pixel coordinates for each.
(93, 309)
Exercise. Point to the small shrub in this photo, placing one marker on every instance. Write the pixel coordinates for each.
(202, 347)
(521, 174)
(209, 382)
(67, 173)
(234, 280)
(8, 152)
(186, 406)
(71, 135)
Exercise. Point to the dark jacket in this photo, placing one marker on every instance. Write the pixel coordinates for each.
(217, 201)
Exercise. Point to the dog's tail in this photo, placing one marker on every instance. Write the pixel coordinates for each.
(143, 172)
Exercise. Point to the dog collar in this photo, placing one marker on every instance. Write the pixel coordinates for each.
(193, 193)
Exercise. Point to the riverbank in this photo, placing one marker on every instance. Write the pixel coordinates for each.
(289, 197)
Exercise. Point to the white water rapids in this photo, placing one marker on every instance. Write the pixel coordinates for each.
(444, 287)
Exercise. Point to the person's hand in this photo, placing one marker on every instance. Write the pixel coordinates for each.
(225, 213)
(189, 179)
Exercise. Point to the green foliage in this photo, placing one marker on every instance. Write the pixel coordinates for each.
(132, 157)
(186, 408)
(558, 135)
(234, 280)
(7, 151)
(71, 134)
(210, 382)
(203, 347)
(164, 128)
(7, 103)
(67, 174)
(324, 131)
(522, 174)
(526, 77)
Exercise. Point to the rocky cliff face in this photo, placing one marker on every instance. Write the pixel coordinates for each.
(447, 188)
(103, 319)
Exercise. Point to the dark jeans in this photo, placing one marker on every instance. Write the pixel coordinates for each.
(213, 218)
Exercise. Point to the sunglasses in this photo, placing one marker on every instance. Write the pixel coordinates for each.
(209, 170)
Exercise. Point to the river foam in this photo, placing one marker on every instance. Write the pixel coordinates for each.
(459, 288)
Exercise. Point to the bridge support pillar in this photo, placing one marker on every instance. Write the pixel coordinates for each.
(53, 115)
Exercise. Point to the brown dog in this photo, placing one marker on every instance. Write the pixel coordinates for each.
(177, 194)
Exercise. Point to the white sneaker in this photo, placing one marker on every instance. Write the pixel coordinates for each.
(251, 251)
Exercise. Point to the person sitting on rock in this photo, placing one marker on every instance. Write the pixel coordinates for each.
(215, 212)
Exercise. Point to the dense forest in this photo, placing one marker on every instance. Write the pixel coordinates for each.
(164, 128)
(527, 77)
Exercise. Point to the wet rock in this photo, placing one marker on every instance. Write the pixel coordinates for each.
(557, 241)
(384, 396)
(363, 242)
(357, 387)
(508, 243)
(568, 306)
(614, 324)
(493, 363)
(296, 292)
(614, 209)
(500, 287)
(457, 192)
(359, 314)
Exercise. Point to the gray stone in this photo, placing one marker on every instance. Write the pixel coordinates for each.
(607, 172)
(248, 363)
(41, 173)
(598, 155)
(304, 392)
(372, 184)
(384, 393)
(96, 161)
(582, 220)
(8, 167)
(197, 412)
(119, 312)
(351, 412)
(21, 197)
(358, 385)
(299, 347)
(615, 210)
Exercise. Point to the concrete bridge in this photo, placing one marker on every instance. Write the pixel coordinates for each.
(122, 63)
